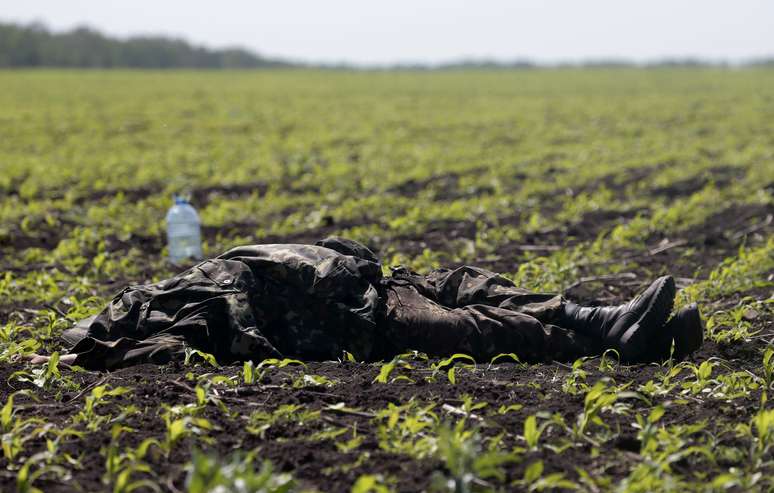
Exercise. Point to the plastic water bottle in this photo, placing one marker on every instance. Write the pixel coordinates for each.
(184, 235)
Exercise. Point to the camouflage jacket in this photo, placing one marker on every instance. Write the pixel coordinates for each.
(254, 302)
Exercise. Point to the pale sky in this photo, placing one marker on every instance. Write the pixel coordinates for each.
(429, 31)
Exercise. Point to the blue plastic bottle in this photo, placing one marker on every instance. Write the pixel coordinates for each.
(184, 236)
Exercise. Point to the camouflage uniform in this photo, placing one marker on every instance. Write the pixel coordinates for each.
(313, 302)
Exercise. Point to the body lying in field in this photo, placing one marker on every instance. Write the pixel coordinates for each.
(314, 302)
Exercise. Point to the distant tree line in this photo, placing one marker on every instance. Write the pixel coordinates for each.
(35, 46)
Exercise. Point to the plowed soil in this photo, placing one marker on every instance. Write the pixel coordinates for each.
(321, 464)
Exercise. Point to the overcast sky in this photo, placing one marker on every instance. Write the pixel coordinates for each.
(372, 32)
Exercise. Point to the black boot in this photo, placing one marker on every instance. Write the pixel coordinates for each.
(685, 328)
(628, 328)
(688, 329)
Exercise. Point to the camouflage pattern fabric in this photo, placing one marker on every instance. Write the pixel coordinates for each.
(315, 301)
(477, 312)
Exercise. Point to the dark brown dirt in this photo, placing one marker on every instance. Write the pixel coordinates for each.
(721, 176)
(320, 464)
(446, 185)
(689, 256)
(706, 245)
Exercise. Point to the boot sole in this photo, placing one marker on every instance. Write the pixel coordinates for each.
(634, 342)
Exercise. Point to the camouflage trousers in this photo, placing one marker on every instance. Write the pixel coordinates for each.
(479, 313)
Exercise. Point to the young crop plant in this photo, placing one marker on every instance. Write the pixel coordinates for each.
(735, 385)
(764, 424)
(253, 374)
(731, 326)
(42, 377)
(401, 361)
(372, 483)
(663, 446)
(702, 374)
(760, 432)
(12, 346)
(534, 479)
(192, 355)
(667, 373)
(575, 381)
(99, 397)
(122, 464)
(352, 444)
(600, 397)
(608, 362)
(736, 274)
(180, 428)
(468, 465)
(259, 422)
(533, 431)
(26, 476)
(507, 357)
(768, 373)
(309, 380)
(406, 429)
(16, 430)
(448, 364)
(237, 473)
(648, 428)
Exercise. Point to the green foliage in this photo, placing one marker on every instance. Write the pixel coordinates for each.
(192, 354)
(16, 430)
(448, 365)
(532, 431)
(260, 421)
(42, 377)
(401, 361)
(551, 177)
(370, 483)
(467, 464)
(98, 397)
(235, 474)
(36, 46)
(575, 381)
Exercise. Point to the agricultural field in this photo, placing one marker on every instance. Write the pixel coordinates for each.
(585, 182)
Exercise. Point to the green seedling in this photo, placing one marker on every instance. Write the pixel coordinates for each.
(206, 473)
(192, 354)
(403, 429)
(448, 365)
(505, 357)
(98, 397)
(599, 397)
(260, 422)
(16, 431)
(252, 374)
(575, 381)
(46, 376)
(533, 431)
(535, 480)
(647, 430)
(469, 466)
(386, 370)
(371, 483)
(768, 373)
(180, 428)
